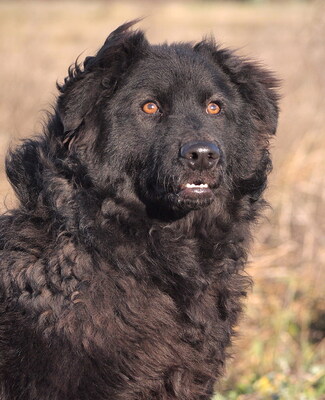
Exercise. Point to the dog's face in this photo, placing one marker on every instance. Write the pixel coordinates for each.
(172, 115)
(182, 122)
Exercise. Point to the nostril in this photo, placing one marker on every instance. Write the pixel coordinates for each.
(200, 155)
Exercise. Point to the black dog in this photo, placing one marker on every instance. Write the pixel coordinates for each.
(122, 269)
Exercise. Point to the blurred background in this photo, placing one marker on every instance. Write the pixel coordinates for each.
(279, 352)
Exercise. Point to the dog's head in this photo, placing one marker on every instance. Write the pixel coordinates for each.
(177, 124)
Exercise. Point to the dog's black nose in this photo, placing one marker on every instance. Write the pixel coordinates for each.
(200, 155)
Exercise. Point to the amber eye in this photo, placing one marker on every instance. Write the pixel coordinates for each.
(213, 108)
(150, 108)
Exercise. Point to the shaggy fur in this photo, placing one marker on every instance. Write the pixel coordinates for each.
(117, 281)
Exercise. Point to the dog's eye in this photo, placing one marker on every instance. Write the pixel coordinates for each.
(213, 108)
(150, 108)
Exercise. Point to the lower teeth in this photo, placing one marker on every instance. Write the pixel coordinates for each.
(192, 185)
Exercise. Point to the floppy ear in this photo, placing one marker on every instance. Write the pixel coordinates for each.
(79, 93)
(256, 84)
(84, 84)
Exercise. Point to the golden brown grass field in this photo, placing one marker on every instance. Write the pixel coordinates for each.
(280, 350)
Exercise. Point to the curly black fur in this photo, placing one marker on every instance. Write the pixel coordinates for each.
(113, 284)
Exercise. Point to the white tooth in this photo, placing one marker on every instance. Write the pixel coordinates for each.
(192, 185)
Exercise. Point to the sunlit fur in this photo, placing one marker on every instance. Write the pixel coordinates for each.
(112, 286)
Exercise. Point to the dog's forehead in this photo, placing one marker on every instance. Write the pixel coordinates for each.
(169, 67)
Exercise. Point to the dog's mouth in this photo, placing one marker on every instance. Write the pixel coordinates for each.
(195, 194)
(189, 193)
(195, 190)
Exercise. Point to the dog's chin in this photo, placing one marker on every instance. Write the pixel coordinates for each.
(194, 198)
(174, 202)
(188, 198)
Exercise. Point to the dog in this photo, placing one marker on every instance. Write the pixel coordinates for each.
(122, 267)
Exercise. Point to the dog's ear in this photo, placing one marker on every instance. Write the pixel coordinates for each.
(256, 84)
(79, 93)
(83, 86)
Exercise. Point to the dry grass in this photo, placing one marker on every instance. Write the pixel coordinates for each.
(281, 354)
